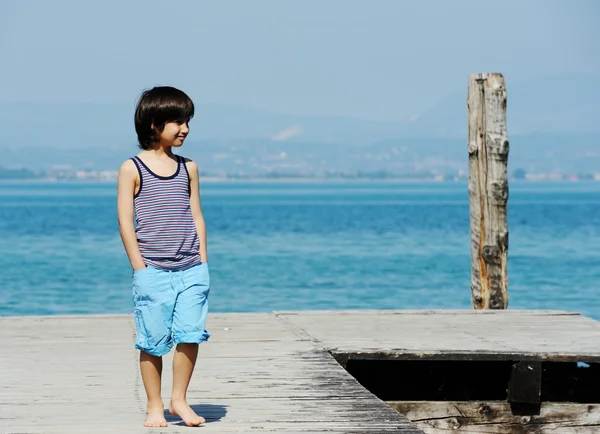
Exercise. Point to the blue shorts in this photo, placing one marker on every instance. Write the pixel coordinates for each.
(170, 307)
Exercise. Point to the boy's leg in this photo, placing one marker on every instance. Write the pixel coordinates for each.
(189, 320)
(184, 361)
(151, 368)
(154, 300)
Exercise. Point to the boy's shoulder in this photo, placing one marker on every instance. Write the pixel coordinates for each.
(128, 166)
(188, 162)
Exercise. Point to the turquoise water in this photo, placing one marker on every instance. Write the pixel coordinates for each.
(305, 246)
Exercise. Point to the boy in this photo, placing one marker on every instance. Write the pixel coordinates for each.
(167, 249)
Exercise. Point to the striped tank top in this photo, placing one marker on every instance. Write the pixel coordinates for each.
(165, 229)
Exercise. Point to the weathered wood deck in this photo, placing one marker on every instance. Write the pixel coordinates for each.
(265, 372)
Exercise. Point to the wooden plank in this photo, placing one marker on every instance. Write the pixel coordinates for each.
(499, 335)
(495, 417)
(81, 374)
(420, 312)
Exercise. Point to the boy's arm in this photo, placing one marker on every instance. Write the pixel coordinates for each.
(197, 208)
(125, 192)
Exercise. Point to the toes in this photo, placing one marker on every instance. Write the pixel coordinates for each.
(156, 423)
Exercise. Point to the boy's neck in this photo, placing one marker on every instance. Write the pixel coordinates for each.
(161, 151)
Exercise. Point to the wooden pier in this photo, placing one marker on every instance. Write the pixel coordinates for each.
(285, 372)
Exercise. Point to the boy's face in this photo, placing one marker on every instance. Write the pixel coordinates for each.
(175, 133)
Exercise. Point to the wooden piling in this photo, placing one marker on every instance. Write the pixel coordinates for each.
(488, 190)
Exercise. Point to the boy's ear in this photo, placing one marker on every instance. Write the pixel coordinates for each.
(155, 132)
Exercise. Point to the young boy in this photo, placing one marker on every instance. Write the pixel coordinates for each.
(167, 249)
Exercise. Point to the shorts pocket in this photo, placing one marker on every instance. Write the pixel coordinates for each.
(141, 300)
(203, 274)
(141, 270)
(142, 333)
(142, 291)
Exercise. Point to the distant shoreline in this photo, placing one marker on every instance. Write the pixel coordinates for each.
(293, 180)
(218, 180)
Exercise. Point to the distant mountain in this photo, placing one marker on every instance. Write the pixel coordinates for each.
(65, 126)
(553, 122)
(548, 104)
(217, 121)
(568, 153)
(97, 125)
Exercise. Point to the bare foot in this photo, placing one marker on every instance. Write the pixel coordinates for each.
(156, 416)
(184, 411)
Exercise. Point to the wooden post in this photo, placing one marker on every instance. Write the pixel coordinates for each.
(488, 190)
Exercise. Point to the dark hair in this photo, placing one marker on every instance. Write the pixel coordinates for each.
(155, 108)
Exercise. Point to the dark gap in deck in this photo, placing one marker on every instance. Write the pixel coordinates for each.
(461, 379)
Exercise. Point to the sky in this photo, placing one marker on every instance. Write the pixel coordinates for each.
(378, 59)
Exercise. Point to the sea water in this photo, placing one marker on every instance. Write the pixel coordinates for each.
(305, 245)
